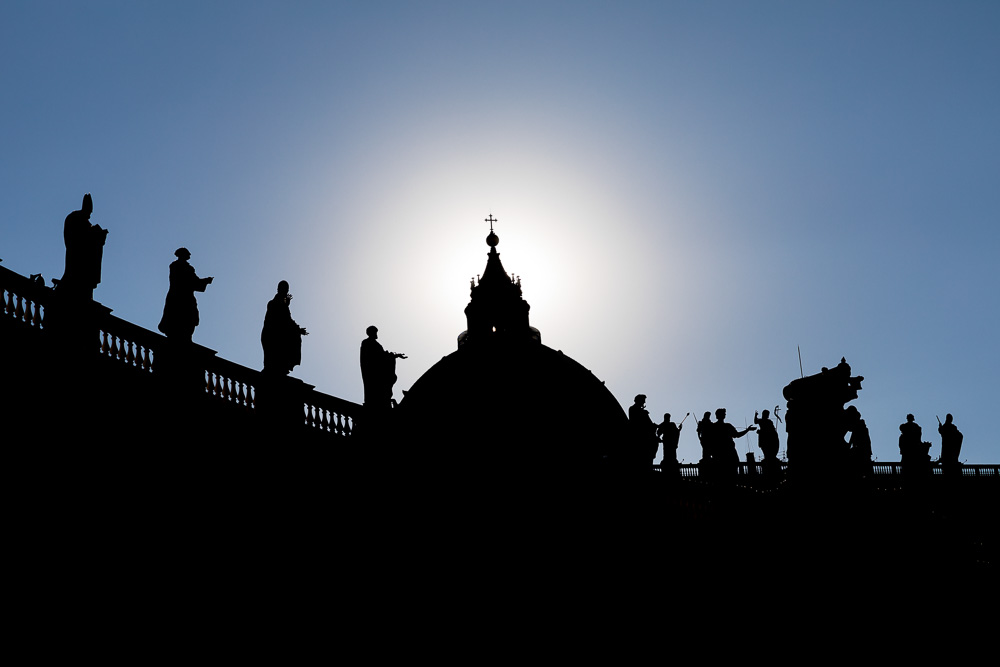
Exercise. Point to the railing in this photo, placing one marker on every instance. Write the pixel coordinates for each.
(22, 299)
(879, 469)
(24, 303)
(330, 414)
(231, 383)
(127, 343)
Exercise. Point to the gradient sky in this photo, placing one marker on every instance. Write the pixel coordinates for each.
(688, 190)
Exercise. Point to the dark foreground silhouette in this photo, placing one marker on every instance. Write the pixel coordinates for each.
(506, 468)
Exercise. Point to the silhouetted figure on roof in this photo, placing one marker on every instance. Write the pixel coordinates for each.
(860, 442)
(951, 444)
(767, 435)
(378, 371)
(670, 435)
(180, 311)
(642, 431)
(726, 457)
(84, 251)
(814, 422)
(704, 431)
(913, 452)
(281, 337)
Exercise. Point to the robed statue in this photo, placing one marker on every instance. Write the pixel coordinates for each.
(378, 371)
(281, 337)
(180, 311)
(84, 250)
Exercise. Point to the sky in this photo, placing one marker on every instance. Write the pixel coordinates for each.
(691, 192)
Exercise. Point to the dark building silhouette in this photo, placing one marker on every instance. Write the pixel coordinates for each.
(506, 457)
(503, 402)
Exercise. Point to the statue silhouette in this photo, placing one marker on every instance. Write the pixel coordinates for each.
(951, 443)
(767, 435)
(815, 421)
(704, 431)
(725, 456)
(84, 251)
(913, 452)
(378, 371)
(642, 431)
(180, 311)
(670, 434)
(281, 337)
(860, 442)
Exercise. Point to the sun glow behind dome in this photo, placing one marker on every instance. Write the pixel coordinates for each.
(417, 236)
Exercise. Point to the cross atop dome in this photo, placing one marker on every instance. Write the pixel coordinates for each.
(492, 240)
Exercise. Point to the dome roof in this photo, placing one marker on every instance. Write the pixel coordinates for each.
(521, 405)
(503, 399)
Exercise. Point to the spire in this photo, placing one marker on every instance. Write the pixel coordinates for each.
(496, 312)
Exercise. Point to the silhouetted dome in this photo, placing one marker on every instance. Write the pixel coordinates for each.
(504, 400)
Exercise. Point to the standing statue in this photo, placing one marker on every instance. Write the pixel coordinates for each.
(767, 435)
(670, 434)
(951, 443)
(84, 251)
(281, 337)
(378, 371)
(704, 431)
(180, 311)
(860, 442)
(642, 431)
(913, 453)
(725, 435)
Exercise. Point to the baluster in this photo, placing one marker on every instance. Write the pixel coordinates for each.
(347, 426)
(130, 357)
(36, 318)
(152, 360)
(8, 306)
(311, 416)
(19, 310)
(241, 397)
(119, 349)
(326, 421)
(251, 393)
(104, 344)
(210, 382)
(144, 359)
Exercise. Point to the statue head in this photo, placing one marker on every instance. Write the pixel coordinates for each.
(283, 287)
(182, 253)
(372, 331)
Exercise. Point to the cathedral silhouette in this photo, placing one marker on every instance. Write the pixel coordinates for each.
(108, 418)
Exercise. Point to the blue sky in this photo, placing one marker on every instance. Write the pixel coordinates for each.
(688, 190)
